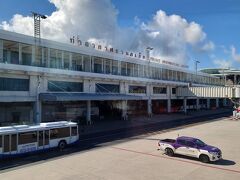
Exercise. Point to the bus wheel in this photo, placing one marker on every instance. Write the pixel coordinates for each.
(62, 144)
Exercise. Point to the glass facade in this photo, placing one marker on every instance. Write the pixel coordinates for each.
(16, 113)
(62, 86)
(12, 84)
(137, 89)
(107, 88)
(159, 90)
(25, 54)
(60, 111)
(174, 90)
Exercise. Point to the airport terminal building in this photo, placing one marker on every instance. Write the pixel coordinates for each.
(43, 80)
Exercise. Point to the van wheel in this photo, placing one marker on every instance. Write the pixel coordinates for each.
(204, 158)
(169, 152)
(62, 144)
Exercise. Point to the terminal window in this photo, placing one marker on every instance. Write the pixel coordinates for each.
(63, 86)
(11, 84)
(107, 88)
(159, 90)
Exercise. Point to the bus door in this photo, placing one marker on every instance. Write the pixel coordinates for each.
(6, 143)
(40, 139)
(13, 143)
(46, 138)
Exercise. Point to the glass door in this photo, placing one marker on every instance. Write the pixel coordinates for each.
(40, 139)
(6, 144)
(13, 142)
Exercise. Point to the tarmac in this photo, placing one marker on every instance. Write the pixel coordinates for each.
(138, 157)
(140, 121)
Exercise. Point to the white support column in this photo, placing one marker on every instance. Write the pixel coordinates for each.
(48, 57)
(103, 65)
(111, 66)
(8, 60)
(62, 60)
(20, 53)
(149, 103)
(92, 64)
(42, 58)
(235, 79)
(217, 102)
(70, 61)
(38, 105)
(138, 71)
(169, 95)
(33, 55)
(124, 110)
(149, 107)
(119, 67)
(38, 110)
(208, 103)
(89, 121)
(185, 105)
(197, 104)
(169, 105)
(89, 86)
(1, 50)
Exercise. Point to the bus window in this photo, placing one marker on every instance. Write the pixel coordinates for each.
(59, 133)
(74, 131)
(14, 142)
(6, 143)
(27, 137)
(0, 141)
(46, 137)
(40, 140)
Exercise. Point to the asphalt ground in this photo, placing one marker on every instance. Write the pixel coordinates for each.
(111, 139)
(138, 157)
(100, 139)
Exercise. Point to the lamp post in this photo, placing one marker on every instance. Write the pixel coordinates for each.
(196, 65)
(37, 22)
(149, 103)
(37, 35)
(148, 49)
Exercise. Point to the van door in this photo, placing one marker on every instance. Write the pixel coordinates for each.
(6, 143)
(13, 143)
(46, 139)
(40, 139)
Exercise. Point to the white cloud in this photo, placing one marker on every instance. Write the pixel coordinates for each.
(222, 63)
(170, 35)
(234, 54)
(194, 33)
(208, 46)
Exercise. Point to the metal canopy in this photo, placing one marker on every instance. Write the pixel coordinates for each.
(68, 96)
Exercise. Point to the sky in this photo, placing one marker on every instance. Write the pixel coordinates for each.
(179, 30)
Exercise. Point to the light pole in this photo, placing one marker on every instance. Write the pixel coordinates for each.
(37, 20)
(196, 65)
(149, 103)
(37, 35)
(148, 49)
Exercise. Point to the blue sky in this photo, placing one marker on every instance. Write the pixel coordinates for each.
(220, 20)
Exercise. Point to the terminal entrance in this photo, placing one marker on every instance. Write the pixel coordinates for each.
(159, 106)
(136, 108)
(16, 113)
(176, 105)
(108, 110)
(191, 104)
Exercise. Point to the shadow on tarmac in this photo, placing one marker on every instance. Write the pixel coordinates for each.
(88, 142)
